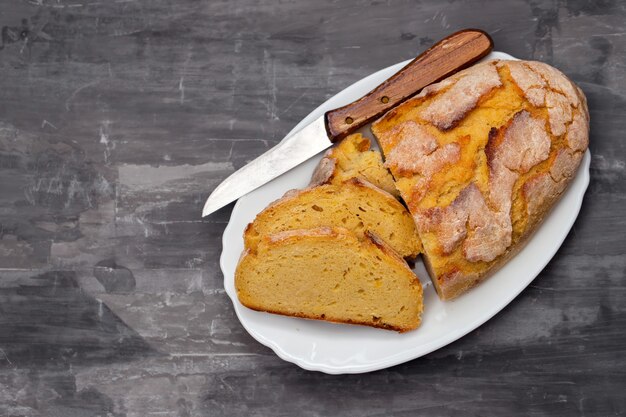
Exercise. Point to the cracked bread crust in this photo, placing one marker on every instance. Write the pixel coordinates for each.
(447, 109)
(514, 139)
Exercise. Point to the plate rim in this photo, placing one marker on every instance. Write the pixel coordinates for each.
(435, 344)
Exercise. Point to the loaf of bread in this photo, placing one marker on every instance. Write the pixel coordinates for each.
(480, 158)
(353, 204)
(353, 158)
(330, 274)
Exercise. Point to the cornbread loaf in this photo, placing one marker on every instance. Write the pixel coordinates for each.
(354, 204)
(480, 158)
(353, 158)
(330, 274)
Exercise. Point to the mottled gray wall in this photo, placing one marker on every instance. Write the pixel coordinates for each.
(117, 118)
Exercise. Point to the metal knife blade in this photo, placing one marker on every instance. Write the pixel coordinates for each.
(446, 57)
(301, 146)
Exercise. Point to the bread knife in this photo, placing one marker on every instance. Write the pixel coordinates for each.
(449, 55)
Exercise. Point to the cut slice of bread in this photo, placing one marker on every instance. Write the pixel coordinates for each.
(352, 158)
(353, 204)
(330, 274)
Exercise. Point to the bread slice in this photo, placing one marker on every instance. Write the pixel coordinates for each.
(353, 204)
(330, 274)
(353, 158)
(480, 158)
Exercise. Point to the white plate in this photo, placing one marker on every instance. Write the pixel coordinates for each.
(339, 348)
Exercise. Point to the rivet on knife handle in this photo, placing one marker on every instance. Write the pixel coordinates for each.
(443, 59)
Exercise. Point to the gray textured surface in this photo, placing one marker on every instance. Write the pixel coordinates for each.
(117, 118)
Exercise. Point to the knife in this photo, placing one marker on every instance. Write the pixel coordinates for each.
(443, 59)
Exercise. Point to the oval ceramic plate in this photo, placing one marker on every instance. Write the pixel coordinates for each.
(339, 348)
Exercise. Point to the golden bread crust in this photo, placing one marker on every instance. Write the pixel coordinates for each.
(448, 108)
(480, 158)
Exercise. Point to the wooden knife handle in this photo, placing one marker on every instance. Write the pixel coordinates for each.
(449, 55)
